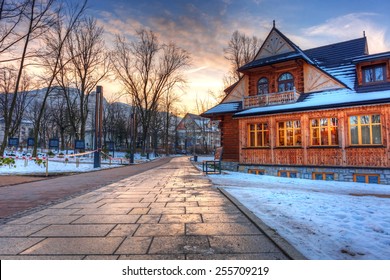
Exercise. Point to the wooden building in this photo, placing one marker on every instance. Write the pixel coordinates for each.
(321, 113)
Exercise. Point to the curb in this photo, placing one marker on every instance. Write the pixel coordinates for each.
(280, 242)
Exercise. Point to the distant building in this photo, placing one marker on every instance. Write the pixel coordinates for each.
(197, 134)
(322, 113)
(25, 130)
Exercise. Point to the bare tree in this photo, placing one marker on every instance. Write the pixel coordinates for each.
(241, 49)
(36, 19)
(65, 21)
(148, 70)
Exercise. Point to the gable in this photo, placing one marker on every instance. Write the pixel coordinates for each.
(317, 80)
(275, 44)
(238, 92)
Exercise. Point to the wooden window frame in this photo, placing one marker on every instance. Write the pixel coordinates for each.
(373, 67)
(256, 171)
(323, 175)
(329, 126)
(264, 133)
(367, 175)
(288, 173)
(264, 86)
(285, 130)
(359, 126)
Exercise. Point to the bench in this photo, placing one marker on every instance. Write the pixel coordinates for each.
(213, 166)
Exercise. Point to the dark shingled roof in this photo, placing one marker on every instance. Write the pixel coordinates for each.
(339, 53)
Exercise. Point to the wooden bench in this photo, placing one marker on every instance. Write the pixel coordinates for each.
(213, 166)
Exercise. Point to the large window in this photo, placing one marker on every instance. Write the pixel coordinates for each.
(366, 178)
(374, 73)
(285, 82)
(324, 132)
(289, 133)
(262, 86)
(258, 135)
(365, 130)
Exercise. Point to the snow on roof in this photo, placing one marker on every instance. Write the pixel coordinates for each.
(224, 108)
(323, 100)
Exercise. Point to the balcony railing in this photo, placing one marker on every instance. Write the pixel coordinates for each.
(271, 99)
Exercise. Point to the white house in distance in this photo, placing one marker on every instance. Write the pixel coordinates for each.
(196, 134)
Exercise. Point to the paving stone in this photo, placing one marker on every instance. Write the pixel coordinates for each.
(26, 219)
(214, 210)
(140, 211)
(149, 219)
(85, 205)
(225, 218)
(74, 230)
(134, 245)
(125, 205)
(101, 257)
(168, 210)
(58, 212)
(152, 257)
(48, 257)
(160, 230)
(183, 204)
(107, 219)
(124, 230)
(221, 229)
(75, 246)
(14, 245)
(242, 244)
(104, 211)
(11, 230)
(46, 220)
(180, 245)
(170, 199)
(183, 218)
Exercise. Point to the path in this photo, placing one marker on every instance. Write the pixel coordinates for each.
(170, 212)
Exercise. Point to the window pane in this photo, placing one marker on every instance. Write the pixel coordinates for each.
(266, 138)
(334, 135)
(314, 123)
(366, 135)
(360, 178)
(318, 176)
(379, 73)
(329, 177)
(293, 175)
(281, 87)
(364, 119)
(324, 122)
(354, 135)
(260, 139)
(297, 124)
(252, 139)
(368, 75)
(334, 122)
(376, 134)
(373, 179)
(281, 125)
(353, 120)
(324, 136)
(252, 127)
(376, 119)
(281, 138)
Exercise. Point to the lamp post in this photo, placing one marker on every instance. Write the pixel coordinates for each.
(98, 126)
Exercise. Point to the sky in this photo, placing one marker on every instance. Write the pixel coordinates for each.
(204, 28)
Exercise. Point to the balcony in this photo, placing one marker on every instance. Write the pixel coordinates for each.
(276, 98)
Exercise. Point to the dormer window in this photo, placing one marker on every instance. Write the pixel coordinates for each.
(262, 86)
(374, 73)
(285, 82)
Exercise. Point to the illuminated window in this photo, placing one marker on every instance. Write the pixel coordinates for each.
(256, 171)
(258, 135)
(285, 82)
(366, 178)
(324, 132)
(365, 130)
(374, 73)
(262, 86)
(289, 133)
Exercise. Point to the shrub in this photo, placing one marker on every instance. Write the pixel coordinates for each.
(7, 161)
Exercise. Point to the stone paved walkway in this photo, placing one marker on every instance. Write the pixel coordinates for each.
(171, 212)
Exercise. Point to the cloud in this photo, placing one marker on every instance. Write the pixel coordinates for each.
(346, 27)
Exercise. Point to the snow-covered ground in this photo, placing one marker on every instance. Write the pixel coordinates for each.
(24, 165)
(322, 219)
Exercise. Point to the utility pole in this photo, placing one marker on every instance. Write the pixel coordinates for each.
(98, 126)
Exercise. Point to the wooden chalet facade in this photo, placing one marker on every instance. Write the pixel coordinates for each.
(322, 113)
